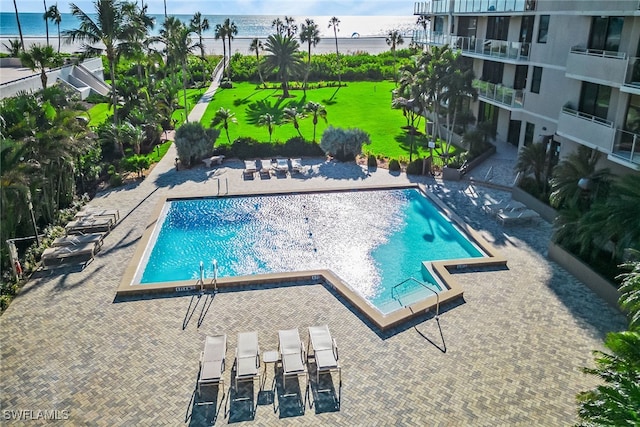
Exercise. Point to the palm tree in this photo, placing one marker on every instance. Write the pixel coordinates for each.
(278, 25)
(53, 14)
(220, 32)
(137, 47)
(292, 115)
(222, 118)
(317, 111)
(532, 159)
(111, 28)
(284, 58)
(256, 46)
(199, 25)
(231, 30)
(291, 27)
(269, 121)
(458, 87)
(40, 58)
(423, 20)
(165, 9)
(177, 38)
(630, 291)
(394, 38)
(310, 34)
(46, 21)
(15, 7)
(335, 22)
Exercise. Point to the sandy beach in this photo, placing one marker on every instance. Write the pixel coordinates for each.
(239, 44)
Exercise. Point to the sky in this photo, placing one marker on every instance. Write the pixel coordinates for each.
(244, 7)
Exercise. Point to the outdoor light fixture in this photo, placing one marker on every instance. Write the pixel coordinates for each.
(585, 184)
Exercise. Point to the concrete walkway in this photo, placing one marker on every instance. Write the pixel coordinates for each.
(508, 354)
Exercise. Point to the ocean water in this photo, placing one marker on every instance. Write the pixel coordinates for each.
(33, 24)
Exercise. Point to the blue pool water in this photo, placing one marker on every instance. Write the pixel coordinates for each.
(371, 239)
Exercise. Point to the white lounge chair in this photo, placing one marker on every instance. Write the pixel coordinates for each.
(250, 167)
(282, 166)
(98, 212)
(293, 354)
(247, 357)
(212, 361)
(296, 165)
(265, 166)
(213, 160)
(510, 205)
(325, 350)
(514, 217)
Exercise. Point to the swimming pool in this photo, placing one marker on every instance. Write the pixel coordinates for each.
(372, 239)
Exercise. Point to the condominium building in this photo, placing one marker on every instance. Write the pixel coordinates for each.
(561, 72)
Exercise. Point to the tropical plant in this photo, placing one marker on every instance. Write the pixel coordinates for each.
(53, 14)
(317, 111)
(292, 115)
(199, 25)
(284, 58)
(40, 58)
(193, 142)
(423, 21)
(231, 30)
(269, 122)
(343, 144)
(394, 38)
(532, 159)
(256, 46)
(630, 290)
(220, 32)
(335, 22)
(310, 34)
(458, 87)
(13, 47)
(110, 27)
(222, 118)
(278, 25)
(290, 26)
(46, 21)
(15, 7)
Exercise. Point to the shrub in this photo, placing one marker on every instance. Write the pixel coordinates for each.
(194, 142)
(394, 165)
(415, 167)
(343, 144)
(372, 161)
(226, 84)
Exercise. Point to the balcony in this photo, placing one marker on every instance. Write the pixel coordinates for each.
(489, 6)
(434, 7)
(494, 49)
(597, 66)
(632, 79)
(498, 94)
(430, 38)
(586, 129)
(626, 147)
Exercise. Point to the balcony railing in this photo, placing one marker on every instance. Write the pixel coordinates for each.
(430, 38)
(483, 6)
(633, 73)
(517, 51)
(627, 146)
(433, 7)
(598, 52)
(501, 94)
(587, 129)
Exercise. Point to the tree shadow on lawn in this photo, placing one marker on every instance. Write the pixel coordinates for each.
(257, 109)
(242, 101)
(419, 142)
(332, 101)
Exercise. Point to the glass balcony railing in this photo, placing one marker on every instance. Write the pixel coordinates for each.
(430, 38)
(483, 6)
(627, 146)
(501, 49)
(501, 94)
(633, 73)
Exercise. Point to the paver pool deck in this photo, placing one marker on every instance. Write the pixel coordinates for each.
(509, 354)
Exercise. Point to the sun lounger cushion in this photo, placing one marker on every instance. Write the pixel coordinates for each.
(212, 360)
(95, 238)
(90, 224)
(291, 351)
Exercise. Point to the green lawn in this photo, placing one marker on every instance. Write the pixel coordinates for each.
(193, 95)
(99, 113)
(364, 105)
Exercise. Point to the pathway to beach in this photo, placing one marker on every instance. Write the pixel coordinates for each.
(508, 354)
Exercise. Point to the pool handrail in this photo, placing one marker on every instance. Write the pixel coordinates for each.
(423, 285)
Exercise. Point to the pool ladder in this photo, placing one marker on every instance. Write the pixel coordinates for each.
(215, 276)
(413, 279)
(226, 184)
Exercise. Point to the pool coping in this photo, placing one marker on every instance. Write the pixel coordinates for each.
(443, 269)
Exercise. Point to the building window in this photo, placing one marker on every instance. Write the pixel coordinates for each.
(528, 133)
(536, 79)
(438, 25)
(520, 80)
(498, 28)
(605, 33)
(632, 119)
(594, 99)
(543, 29)
(492, 72)
(513, 136)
